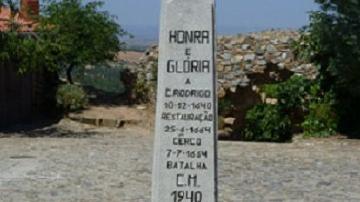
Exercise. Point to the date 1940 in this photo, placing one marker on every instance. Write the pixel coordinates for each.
(187, 196)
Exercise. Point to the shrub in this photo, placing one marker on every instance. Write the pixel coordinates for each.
(271, 90)
(146, 85)
(293, 92)
(142, 90)
(267, 123)
(71, 97)
(306, 104)
(322, 119)
(225, 106)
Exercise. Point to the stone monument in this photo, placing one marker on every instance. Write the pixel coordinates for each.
(185, 152)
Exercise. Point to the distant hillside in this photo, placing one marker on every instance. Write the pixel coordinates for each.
(144, 36)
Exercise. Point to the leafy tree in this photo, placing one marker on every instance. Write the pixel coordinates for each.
(13, 5)
(75, 34)
(332, 40)
(15, 47)
(71, 34)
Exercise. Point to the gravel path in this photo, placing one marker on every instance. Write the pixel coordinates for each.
(82, 164)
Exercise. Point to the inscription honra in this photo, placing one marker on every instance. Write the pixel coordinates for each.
(188, 37)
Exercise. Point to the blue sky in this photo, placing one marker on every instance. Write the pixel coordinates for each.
(278, 13)
(232, 15)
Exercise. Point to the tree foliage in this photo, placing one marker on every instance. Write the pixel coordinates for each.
(12, 4)
(22, 50)
(9, 41)
(70, 34)
(332, 41)
(78, 34)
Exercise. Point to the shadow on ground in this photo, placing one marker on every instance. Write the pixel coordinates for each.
(99, 97)
(44, 129)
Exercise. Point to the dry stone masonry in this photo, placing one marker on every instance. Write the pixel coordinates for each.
(246, 60)
(244, 63)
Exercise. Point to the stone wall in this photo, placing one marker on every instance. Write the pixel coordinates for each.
(246, 60)
(244, 63)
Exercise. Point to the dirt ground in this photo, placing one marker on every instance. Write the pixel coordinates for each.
(129, 56)
(71, 162)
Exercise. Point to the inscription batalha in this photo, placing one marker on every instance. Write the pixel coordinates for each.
(185, 154)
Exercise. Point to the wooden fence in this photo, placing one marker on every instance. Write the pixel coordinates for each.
(22, 97)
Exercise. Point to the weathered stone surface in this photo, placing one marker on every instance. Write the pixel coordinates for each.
(248, 52)
(261, 62)
(227, 56)
(223, 134)
(221, 92)
(271, 101)
(271, 48)
(249, 57)
(237, 59)
(220, 68)
(185, 161)
(229, 121)
(227, 69)
(245, 47)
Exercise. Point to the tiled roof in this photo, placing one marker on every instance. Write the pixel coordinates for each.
(26, 24)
